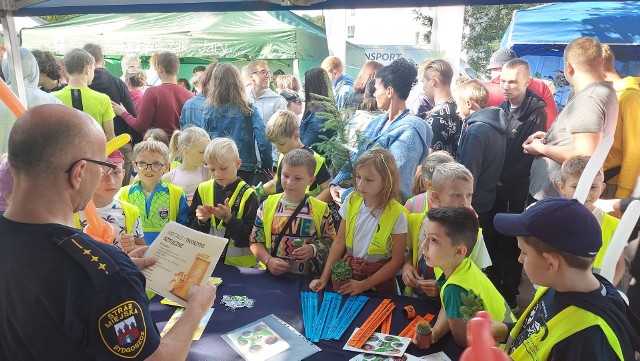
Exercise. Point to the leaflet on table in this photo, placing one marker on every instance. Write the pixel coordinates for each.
(372, 357)
(184, 257)
(438, 356)
(176, 316)
(381, 344)
(215, 280)
(270, 338)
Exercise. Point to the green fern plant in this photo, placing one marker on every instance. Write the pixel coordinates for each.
(472, 304)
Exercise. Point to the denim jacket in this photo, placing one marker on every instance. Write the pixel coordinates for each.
(229, 122)
(194, 112)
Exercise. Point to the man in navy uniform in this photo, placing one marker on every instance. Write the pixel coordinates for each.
(64, 295)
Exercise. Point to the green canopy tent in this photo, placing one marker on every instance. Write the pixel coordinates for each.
(286, 40)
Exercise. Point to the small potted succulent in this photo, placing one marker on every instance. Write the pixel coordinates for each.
(472, 304)
(422, 336)
(340, 274)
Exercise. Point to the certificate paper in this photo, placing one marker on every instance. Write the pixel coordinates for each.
(184, 257)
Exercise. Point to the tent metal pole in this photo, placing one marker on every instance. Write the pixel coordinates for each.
(296, 68)
(13, 55)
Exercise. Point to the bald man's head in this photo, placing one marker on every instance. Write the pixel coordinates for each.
(47, 139)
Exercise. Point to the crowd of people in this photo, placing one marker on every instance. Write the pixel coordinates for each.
(451, 191)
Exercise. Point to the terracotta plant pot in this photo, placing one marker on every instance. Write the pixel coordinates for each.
(337, 284)
(422, 341)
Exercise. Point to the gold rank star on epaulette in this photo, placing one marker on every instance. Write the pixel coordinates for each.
(87, 252)
(98, 265)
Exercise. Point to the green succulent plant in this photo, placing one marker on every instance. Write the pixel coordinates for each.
(472, 304)
(423, 328)
(340, 270)
(297, 243)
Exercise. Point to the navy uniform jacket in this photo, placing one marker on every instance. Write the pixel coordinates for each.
(67, 297)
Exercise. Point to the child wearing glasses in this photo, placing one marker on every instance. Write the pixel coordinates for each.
(123, 217)
(158, 201)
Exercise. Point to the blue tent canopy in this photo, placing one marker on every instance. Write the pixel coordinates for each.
(546, 30)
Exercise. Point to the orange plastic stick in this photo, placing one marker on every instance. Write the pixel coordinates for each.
(368, 328)
(411, 327)
(386, 325)
(428, 317)
(11, 100)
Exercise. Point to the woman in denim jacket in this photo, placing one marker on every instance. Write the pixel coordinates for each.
(231, 115)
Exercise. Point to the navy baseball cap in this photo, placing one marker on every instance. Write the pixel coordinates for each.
(562, 223)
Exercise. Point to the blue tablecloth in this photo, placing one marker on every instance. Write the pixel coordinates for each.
(281, 296)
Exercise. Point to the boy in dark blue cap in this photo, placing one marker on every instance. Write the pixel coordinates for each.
(575, 315)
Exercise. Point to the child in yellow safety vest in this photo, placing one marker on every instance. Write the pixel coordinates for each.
(576, 314)
(373, 230)
(158, 201)
(283, 131)
(451, 234)
(420, 202)
(225, 206)
(293, 231)
(123, 217)
(570, 174)
(451, 186)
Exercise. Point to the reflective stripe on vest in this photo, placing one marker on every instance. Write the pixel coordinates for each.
(557, 329)
(414, 223)
(235, 256)
(608, 226)
(319, 162)
(468, 276)
(152, 222)
(380, 246)
(131, 213)
(318, 208)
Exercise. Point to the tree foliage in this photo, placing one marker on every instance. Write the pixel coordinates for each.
(55, 18)
(318, 19)
(484, 27)
(426, 21)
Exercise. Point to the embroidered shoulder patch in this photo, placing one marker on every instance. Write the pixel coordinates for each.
(123, 329)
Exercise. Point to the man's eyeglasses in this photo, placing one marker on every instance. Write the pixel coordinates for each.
(262, 72)
(106, 167)
(155, 166)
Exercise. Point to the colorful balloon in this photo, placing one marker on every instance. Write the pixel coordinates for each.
(480, 341)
